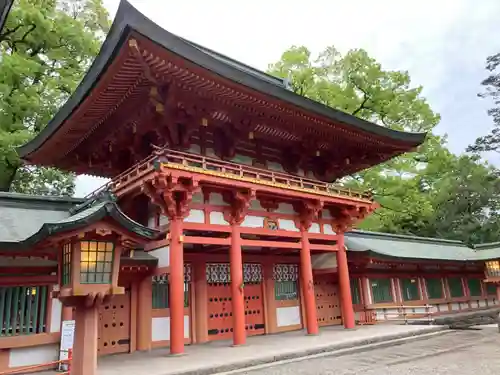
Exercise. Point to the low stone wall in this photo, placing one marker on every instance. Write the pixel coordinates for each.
(468, 319)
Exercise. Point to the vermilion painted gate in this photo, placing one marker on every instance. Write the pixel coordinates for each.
(219, 304)
(327, 300)
(219, 308)
(254, 314)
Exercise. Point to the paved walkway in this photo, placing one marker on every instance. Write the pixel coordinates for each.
(462, 352)
(220, 356)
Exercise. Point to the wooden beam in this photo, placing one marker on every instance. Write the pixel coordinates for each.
(206, 240)
(273, 244)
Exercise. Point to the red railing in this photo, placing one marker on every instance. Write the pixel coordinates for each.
(208, 165)
(44, 366)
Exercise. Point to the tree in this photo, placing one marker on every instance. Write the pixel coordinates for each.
(490, 142)
(355, 83)
(430, 192)
(466, 199)
(46, 46)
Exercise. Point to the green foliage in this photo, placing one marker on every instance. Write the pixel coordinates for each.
(46, 46)
(430, 192)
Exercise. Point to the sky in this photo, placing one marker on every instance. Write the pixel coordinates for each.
(443, 44)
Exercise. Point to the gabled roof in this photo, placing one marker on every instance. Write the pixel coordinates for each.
(5, 6)
(128, 20)
(100, 209)
(415, 248)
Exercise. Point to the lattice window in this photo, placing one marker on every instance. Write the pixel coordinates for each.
(161, 289)
(187, 273)
(252, 273)
(66, 265)
(434, 288)
(493, 268)
(286, 285)
(355, 292)
(160, 292)
(474, 287)
(409, 289)
(23, 310)
(381, 290)
(491, 289)
(456, 287)
(96, 262)
(220, 273)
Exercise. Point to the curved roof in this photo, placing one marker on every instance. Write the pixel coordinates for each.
(129, 19)
(81, 217)
(417, 248)
(5, 6)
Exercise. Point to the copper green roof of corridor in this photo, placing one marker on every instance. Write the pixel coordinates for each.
(406, 247)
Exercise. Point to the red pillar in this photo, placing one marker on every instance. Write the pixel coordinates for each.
(238, 303)
(85, 345)
(200, 295)
(144, 314)
(67, 313)
(344, 284)
(308, 286)
(176, 281)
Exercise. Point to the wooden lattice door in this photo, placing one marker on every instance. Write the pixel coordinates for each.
(114, 325)
(219, 304)
(254, 306)
(327, 300)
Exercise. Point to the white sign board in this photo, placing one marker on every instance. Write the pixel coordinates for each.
(67, 338)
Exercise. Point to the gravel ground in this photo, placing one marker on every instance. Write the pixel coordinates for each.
(467, 352)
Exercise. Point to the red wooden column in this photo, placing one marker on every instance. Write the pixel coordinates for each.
(240, 201)
(307, 284)
(85, 344)
(200, 295)
(365, 291)
(238, 303)
(144, 313)
(344, 284)
(67, 313)
(176, 282)
(173, 195)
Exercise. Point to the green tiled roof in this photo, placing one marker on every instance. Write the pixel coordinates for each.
(83, 215)
(21, 215)
(410, 247)
(487, 251)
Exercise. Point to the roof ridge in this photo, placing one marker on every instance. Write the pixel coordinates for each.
(103, 196)
(486, 245)
(44, 198)
(408, 237)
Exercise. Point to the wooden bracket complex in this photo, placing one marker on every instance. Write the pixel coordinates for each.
(308, 212)
(346, 218)
(173, 195)
(240, 202)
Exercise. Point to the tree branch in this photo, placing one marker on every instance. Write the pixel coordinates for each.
(3, 36)
(365, 97)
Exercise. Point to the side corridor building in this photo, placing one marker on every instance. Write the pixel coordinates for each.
(221, 219)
